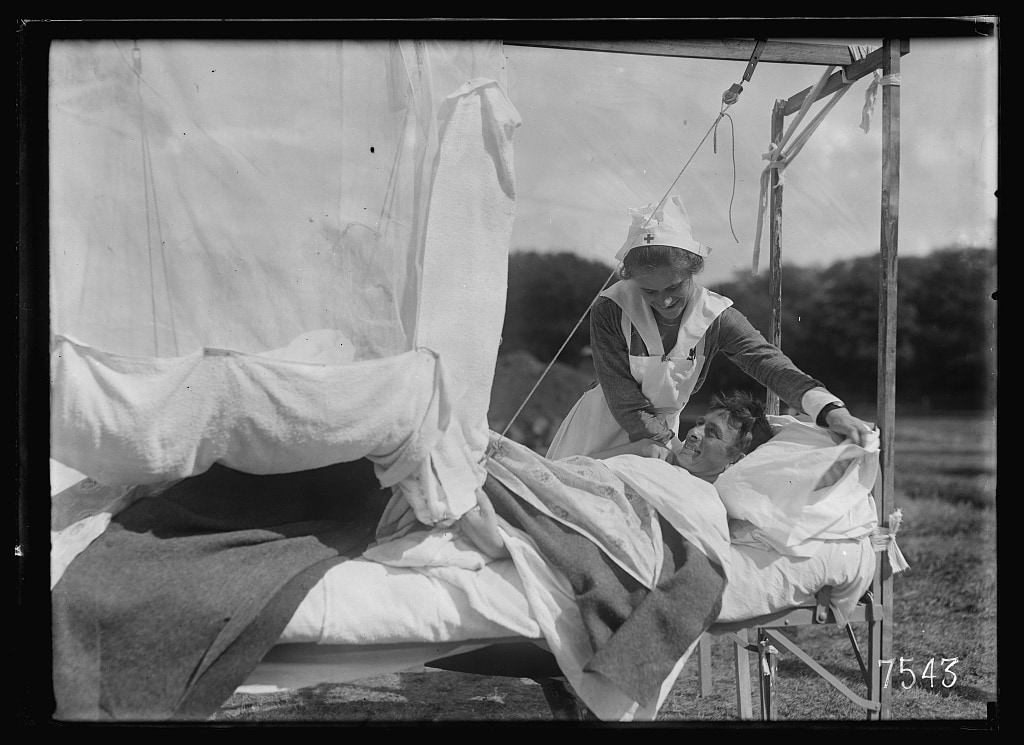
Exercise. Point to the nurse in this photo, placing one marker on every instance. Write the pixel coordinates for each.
(653, 335)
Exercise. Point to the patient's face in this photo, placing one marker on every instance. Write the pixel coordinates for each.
(710, 446)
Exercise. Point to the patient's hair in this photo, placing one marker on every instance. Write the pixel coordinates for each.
(746, 413)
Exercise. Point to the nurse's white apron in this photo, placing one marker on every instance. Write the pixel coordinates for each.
(667, 380)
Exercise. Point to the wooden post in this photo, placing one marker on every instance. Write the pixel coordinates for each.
(704, 671)
(775, 243)
(885, 495)
(741, 659)
(766, 667)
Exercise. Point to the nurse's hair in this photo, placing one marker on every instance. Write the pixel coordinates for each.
(746, 413)
(641, 259)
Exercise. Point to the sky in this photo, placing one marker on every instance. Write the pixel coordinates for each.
(603, 131)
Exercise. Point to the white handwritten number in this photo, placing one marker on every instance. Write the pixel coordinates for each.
(888, 671)
(952, 661)
(913, 678)
(928, 674)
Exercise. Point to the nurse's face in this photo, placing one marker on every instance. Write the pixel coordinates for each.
(711, 446)
(666, 289)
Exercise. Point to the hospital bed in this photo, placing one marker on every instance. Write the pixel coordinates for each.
(426, 599)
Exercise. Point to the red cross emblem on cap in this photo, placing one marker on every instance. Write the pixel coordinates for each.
(648, 238)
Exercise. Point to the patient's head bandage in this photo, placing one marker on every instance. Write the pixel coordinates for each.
(669, 225)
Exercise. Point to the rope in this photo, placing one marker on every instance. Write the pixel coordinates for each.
(871, 95)
(727, 100)
(552, 363)
(732, 196)
(884, 539)
(729, 97)
(778, 157)
(137, 68)
(150, 182)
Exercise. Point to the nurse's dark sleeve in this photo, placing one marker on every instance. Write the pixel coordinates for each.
(627, 403)
(764, 362)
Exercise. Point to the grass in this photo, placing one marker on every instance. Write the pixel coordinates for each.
(945, 607)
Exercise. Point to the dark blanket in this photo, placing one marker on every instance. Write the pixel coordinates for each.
(638, 634)
(168, 611)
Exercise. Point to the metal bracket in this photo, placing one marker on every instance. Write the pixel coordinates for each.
(732, 95)
(754, 57)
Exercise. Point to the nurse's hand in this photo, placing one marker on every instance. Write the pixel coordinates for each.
(480, 525)
(849, 427)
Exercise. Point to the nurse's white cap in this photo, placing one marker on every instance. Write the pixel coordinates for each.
(669, 226)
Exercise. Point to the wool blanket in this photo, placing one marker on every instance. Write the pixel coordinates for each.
(165, 613)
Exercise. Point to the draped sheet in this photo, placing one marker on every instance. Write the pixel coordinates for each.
(620, 596)
(204, 229)
(124, 420)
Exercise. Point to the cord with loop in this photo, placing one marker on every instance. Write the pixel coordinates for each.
(729, 97)
(732, 196)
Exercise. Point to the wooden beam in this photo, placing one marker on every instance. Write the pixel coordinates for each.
(775, 249)
(853, 71)
(886, 387)
(782, 641)
(704, 670)
(741, 661)
(785, 52)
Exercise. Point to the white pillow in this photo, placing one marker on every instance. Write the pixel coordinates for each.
(802, 487)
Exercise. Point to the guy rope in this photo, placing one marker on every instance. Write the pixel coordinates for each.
(729, 97)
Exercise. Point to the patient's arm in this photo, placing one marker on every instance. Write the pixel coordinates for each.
(647, 448)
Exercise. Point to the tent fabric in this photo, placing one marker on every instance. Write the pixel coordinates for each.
(125, 420)
(235, 194)
(185, 280)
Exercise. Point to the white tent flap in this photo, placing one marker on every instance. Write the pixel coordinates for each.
(237, 267)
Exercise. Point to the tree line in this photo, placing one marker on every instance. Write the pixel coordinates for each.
(946, 322)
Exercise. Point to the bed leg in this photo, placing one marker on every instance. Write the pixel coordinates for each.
(562, 701)
(743, 705)
(766, 665)
(704, 665)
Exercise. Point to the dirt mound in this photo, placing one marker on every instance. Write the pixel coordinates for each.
(515, 375)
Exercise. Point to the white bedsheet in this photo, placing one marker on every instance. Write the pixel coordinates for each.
(763, 581)
(368, 619)
(364, 602)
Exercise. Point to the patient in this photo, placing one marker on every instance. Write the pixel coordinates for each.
(733, 426)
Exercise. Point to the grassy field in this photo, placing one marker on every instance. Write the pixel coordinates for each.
(945, 607)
